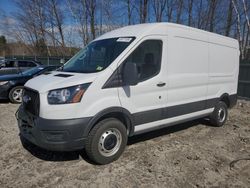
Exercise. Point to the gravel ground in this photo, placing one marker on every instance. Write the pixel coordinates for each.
(193, 154)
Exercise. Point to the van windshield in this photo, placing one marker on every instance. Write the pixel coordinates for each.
(98, 55)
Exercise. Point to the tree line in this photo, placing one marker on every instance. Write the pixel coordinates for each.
(51, 27)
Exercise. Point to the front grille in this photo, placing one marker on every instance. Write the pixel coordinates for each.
(31, 101)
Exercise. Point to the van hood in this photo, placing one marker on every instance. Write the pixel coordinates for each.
(56, 80)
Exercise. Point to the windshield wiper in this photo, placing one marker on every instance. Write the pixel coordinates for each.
(78, 71)
(72, 71)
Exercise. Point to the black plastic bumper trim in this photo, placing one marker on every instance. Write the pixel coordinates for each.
(56, 135)
(178, 110)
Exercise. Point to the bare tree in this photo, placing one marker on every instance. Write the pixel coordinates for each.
(239, 36)
(31, 27)
(109, 12)
(169, 11)
(42, 23)
(58, 17)
(190, 11)
(143, 10)
(211, 15)
(229, 19)
(246, 14)
(200, 14)
(81, 16)
(3, 22)
(179, 11)
(158, 7)
(246, 33)
(91, 8)
(129, 11)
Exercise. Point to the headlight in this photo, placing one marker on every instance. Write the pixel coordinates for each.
(67, 95)
(3, 82)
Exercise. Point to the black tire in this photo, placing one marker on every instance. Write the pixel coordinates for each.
(219, 115)
(95, 143)
(12, 93)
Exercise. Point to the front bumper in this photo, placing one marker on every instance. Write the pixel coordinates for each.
(54, 135)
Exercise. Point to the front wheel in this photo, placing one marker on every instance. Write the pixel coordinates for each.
(16, 94)
(106, 141)
(219, 115)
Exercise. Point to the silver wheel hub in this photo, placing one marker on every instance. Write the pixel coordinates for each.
(222, 114)
(17, 95)
(110, 142)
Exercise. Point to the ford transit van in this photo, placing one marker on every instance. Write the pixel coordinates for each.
(128, 81)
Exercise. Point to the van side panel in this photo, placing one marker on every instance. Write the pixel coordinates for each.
(223, 66)
(187, 67)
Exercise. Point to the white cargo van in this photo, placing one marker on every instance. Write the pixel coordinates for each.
(129, 81)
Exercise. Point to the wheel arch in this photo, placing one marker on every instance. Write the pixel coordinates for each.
(15, 85)
(226, 99)
(116, 112)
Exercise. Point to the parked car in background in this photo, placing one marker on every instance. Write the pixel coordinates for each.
(11, 85)
(2, 59)
(16, 66)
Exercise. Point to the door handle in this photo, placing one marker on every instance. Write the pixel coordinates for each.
(161, 84)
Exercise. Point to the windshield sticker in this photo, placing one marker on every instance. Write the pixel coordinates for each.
(124, 39)
(99, 68)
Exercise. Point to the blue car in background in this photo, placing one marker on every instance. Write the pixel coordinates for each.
(16, 66)
(11, 85)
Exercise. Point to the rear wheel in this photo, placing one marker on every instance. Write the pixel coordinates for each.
(219, 115)
(106, 141)
(16, 94)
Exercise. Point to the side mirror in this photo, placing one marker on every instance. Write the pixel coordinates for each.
(130, 74)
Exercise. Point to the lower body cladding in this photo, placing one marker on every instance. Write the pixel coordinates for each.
(71, 134)
(55, 135)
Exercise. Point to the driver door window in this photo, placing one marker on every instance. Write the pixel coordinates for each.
(147, 57)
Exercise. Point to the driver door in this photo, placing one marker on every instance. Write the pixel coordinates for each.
(147, 99)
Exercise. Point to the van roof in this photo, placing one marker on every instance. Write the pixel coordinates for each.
(141, 30)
